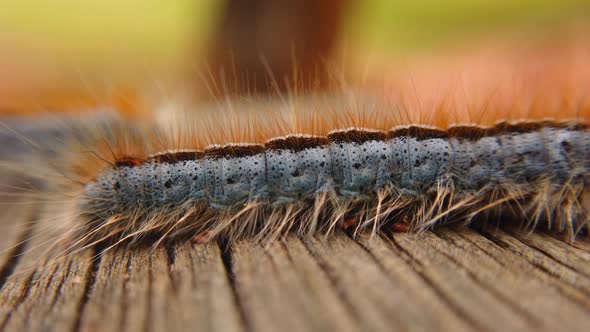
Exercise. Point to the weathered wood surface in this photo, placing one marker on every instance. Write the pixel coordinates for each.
(453, 279)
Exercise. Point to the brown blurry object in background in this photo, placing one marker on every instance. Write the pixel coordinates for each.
(286, 37)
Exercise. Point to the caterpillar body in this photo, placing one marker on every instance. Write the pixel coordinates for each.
(356, 177)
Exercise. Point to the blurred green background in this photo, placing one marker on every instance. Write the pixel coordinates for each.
(395, 24)
(164, 28)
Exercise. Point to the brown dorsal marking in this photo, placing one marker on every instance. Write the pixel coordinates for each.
(127, 161)
(296, 143)
(576, 126)
(233, 151)
(515, 128)
(524, 127)
(419, 133)
(467, 132)
(356, 136)
(299, 143)
(504, 127)
(175, 157)
(579, 126)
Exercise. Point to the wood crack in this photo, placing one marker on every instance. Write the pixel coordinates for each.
(552, 257)
(334, 282)
(412, 263)
(124, 293)
(25, 292)
(18, 250)
(529, 317)
(540, 267)
(171, 260)
(227, 260)
(90, 279)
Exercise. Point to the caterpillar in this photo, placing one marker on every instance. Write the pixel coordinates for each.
(313, 184)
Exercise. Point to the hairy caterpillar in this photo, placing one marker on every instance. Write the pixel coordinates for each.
(312, 183)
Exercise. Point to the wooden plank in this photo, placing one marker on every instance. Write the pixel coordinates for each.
(19, 211)
(141, 291)
(43, 294)
(16, 219)
(164, 310)
(528, 291)
(568, 254)
(54, 298)
(381, 300)
(569, 279)
(193, 283)
(13, 294)
(122, 288)
(460, 289)
(107, 296)
(283, 288)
